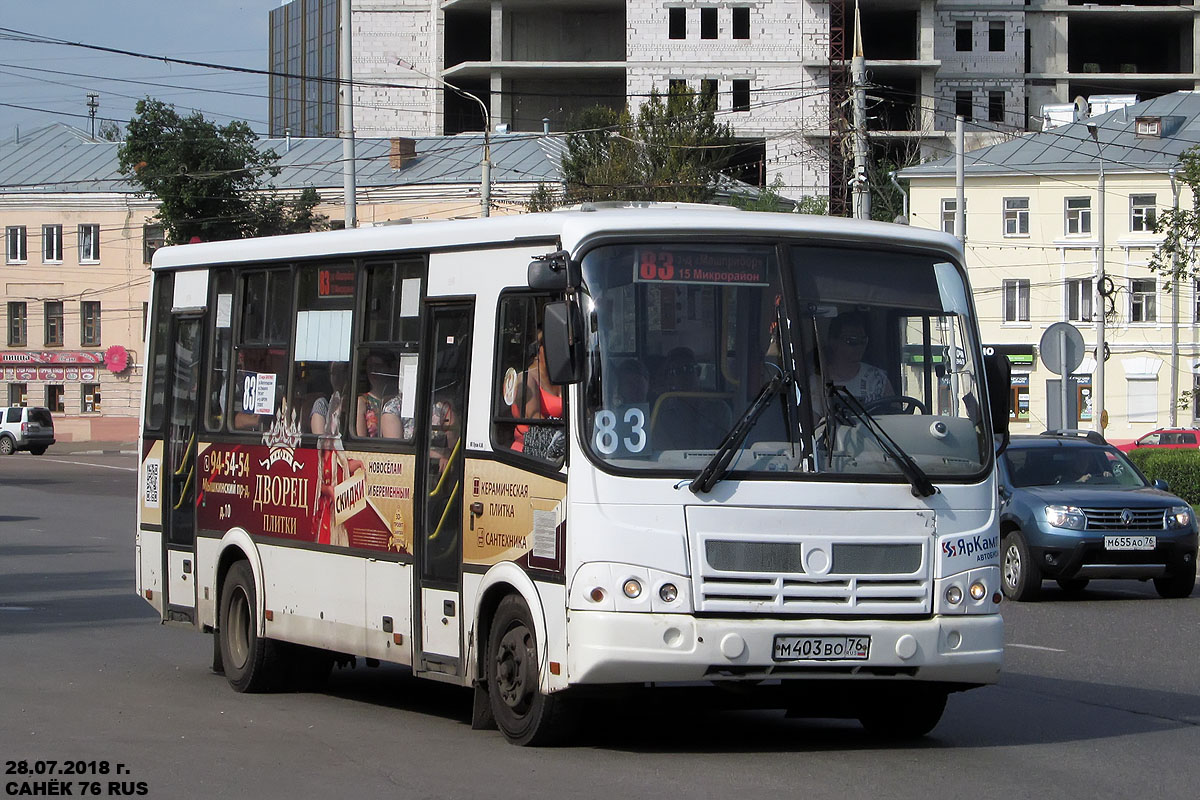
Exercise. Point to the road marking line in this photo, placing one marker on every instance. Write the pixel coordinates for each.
(1038, 647)
(87, 464)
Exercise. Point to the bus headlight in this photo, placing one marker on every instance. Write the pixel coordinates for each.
(668, 592)
(954, 595)
(632, 588)
(978, 591)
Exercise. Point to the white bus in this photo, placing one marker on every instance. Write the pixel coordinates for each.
(551, 455)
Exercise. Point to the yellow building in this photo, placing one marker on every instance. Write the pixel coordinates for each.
(79, 240)
(1033, 243)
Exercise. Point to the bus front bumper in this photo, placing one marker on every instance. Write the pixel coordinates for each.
(615, 647)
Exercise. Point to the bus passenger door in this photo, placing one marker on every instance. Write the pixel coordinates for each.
(179, 484)
(440, 461)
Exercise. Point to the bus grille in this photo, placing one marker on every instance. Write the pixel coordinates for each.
(811, 575)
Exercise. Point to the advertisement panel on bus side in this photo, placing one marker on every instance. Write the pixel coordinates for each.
(333, 497)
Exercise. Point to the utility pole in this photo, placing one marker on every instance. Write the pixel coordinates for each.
(1174, 416)
(1098, 414)
(93, 105)
(960, 180)
(858, 95)
(346, 102)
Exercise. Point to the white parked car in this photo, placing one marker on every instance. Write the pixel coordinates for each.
(23, 428)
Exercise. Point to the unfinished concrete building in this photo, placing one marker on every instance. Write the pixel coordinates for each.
(778, 68)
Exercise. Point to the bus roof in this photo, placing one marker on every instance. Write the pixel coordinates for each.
(569, 226)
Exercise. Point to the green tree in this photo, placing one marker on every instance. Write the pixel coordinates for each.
(674, 150)
(209, 180)
(1176, 256)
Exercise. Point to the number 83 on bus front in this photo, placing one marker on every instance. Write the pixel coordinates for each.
(620, 430)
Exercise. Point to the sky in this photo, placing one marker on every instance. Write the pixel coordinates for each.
(51, 83)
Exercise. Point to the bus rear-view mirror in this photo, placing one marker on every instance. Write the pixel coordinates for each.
(562, 330)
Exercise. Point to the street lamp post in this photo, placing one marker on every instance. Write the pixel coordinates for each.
(1101, 295)
(485, 183)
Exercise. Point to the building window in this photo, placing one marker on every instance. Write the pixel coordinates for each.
(949, 206)
(16, 250)
(55, 393)
(52, 245)
(996, 36)
(741, 95)
(995, 106)
(677, 86)
(1079, 216)
(708, 23)
(18, 394)
(1142, 213)
(1016, 300)
(708, 93)
(1142, 399)
(54, 323)
(89, 398)
(1018, 409)
(17, 319)
(741, 22)
(1079, 299)
(676, 23)
(1016, 216)
(1148, 127)
(962, 36)
(89, 244)
(89, 323)
(1142, 300)
(962, 105)
(152, 239)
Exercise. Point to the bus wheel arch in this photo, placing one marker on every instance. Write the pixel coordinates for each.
(501, 580)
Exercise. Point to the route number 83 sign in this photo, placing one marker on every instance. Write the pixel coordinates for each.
(621, 431)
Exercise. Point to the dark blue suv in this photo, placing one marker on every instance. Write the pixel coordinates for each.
(1074, 508)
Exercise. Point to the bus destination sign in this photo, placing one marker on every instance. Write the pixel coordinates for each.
(335, 282)
(672, 265)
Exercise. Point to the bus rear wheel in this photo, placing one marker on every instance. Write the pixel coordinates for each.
(524, 714)
(250, 662)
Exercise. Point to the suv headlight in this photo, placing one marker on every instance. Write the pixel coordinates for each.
(1066, 517)
(1179, 517)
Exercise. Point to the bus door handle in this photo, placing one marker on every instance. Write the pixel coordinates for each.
(476, 511)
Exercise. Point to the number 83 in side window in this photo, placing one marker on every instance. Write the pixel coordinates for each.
(620, 431)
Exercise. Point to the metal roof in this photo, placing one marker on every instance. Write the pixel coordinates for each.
(1070, 149)
(62, 159)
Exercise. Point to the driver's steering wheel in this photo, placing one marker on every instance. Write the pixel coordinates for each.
(897, 404)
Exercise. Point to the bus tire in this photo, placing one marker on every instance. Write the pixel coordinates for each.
(251, 663)
(904, 715)
(523, 713)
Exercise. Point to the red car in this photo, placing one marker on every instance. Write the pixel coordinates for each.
(1174, 438)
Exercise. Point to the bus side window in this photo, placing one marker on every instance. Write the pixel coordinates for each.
(261, 376)
(220, 351)
(385, 389)
(321, 369)
(527, 410)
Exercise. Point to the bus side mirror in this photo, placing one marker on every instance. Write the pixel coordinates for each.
(554, 272)
(998, 374)
(562, 335)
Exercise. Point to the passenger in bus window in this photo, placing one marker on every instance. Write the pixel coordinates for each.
(540, 399)
(328, 412)
(841, 363)
(383, 381)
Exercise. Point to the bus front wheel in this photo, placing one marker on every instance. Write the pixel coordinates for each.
(250, 661)
(524, 714)
(907, 714)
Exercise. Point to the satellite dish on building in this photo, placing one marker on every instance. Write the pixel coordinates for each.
(1081, 107)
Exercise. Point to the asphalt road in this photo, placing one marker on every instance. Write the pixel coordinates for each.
(1100, 698)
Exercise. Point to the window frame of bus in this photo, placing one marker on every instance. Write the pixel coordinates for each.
(160, 333)
(312, 296)
(502, 413)
(259, 340)
(388, 322)
(222, 281)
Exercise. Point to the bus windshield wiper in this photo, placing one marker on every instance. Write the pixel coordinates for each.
(921, 485)
(718, 466)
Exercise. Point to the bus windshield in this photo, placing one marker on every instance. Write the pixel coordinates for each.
(868, 354)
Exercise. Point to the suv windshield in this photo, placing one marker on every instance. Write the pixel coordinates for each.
(683, 338)
(1076, 466)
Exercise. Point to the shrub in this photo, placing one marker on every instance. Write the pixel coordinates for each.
(1179, 468)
